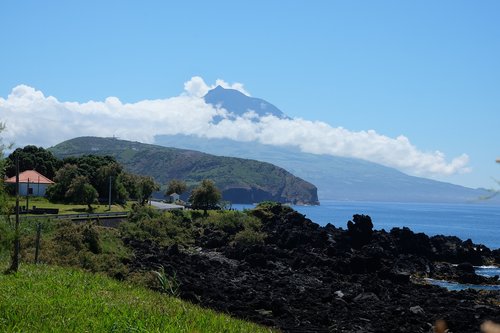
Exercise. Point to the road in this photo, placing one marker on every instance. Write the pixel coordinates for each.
(165, 206)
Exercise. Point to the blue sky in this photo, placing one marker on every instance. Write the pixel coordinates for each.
(427, 70)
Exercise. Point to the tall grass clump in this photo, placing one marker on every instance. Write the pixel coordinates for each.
(167, 283)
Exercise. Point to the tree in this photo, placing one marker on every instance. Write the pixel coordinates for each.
(205, 196)
(138, 187)
(130, 182)
(104, 175)
(493, 192)
(98, 171)
(146, 186)
(64, 177)
(33, 158)
(176, 186)
(81, 192)
(88, 165)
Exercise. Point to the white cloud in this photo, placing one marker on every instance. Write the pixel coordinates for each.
(198, 88)
(32, 118)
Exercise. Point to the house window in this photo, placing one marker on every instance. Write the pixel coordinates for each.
(30, 190)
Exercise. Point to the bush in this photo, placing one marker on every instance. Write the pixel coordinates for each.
(140, 213)
(249, 237)
(196, 214)
(267, 211)
(163, 228)
(88, 246)
(91, 238)
(231, 222)
(228, 227)
(6, 235)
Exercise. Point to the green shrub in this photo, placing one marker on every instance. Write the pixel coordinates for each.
(249, 237)
(140, 213)
(68, 235)
(164, 228)
(6, 235)
(196, 214)
(231, 222)
(238, 227)
(91, 238)
(64, 243)
(268, 210)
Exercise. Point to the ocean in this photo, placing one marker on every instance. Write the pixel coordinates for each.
(479, 222)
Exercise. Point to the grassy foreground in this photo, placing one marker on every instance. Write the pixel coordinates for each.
(52, 299)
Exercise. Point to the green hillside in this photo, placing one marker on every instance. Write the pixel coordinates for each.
(337, 178)
(241, 180)
(52, 299)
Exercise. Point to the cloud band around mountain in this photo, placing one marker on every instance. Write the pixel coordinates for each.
(33, 118)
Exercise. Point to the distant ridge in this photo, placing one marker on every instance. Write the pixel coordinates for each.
(339, 178)
(240, 180)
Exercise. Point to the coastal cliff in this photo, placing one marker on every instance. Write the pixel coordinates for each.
(240, 180)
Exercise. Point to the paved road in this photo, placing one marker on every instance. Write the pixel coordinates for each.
(165, 206)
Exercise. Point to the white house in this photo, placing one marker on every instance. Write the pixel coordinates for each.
(31, 182)
(174, 197)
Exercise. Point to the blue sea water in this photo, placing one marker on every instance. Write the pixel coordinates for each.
(479, 222)
(458, 286)
(488, 271)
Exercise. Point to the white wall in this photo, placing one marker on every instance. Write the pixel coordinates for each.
(38, 189)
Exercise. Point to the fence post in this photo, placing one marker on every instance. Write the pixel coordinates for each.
(17, 243)
(37, 242)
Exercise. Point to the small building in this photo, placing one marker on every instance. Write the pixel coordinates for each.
(32, 183)
(174, 197)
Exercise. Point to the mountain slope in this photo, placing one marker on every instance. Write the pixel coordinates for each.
(240, 180)
(238, 103)
(338, 178)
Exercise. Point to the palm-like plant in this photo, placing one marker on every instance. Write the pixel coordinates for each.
(167, 283)
(493, 192)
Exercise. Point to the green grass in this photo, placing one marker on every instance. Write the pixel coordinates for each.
(69, 208)
(52, 299)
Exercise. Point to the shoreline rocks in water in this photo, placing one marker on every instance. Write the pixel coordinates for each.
(307, 278)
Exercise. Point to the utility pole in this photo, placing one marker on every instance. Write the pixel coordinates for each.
(15, 257)
(28, 196)
(110, 178)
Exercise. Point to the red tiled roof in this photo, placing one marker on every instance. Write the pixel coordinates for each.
(32, 176)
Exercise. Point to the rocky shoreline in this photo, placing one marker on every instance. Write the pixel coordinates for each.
(307, 278)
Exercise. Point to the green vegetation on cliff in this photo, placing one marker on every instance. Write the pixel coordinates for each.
(240, 180)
